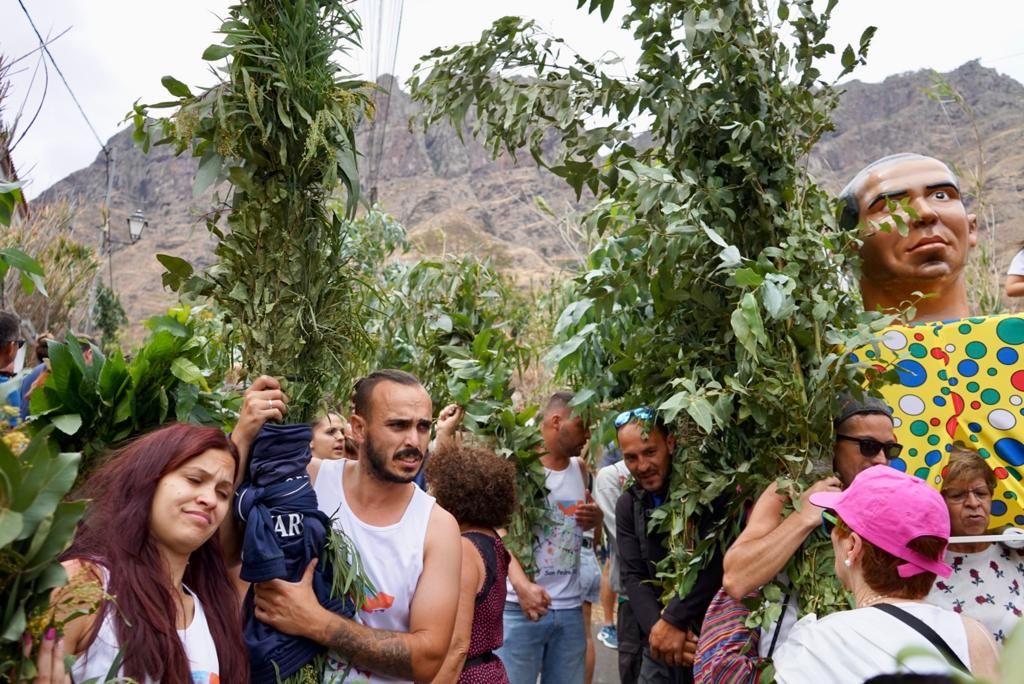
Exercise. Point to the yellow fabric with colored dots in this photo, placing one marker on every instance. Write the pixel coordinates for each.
(959, 381)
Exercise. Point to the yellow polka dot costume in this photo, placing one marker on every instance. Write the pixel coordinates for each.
(959, 381)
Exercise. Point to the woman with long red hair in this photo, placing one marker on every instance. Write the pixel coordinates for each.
(149, 541)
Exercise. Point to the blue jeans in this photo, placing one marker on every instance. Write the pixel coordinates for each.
(554, 645)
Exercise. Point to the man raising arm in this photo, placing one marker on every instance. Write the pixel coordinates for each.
(409, 547)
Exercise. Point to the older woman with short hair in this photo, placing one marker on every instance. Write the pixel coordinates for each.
(987, 578)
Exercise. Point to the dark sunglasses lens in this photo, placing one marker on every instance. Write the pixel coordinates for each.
(622, 419)
(893, 450)
(869, 447)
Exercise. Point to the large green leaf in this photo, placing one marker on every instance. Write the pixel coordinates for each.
(59, 536)
(30, 272)
(178, 271)
(175, 87)
(15, 626)
(68, 423)
(65, 378)
(18, 259)
(44, 486)
(187, 371)
(216, 52)
(10, 526)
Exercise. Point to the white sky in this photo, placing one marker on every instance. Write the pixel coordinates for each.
(116, 51)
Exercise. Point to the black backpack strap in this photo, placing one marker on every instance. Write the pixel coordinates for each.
(925, 631)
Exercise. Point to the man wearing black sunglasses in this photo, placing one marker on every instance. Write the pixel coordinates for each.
(864, 438)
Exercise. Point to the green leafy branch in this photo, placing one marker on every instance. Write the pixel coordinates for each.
(281, 129)
(721, 289)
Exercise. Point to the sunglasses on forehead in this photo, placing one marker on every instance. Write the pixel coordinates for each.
(642, 413)
(869, 446)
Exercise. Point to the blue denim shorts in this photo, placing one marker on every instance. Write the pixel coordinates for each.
(590, 577)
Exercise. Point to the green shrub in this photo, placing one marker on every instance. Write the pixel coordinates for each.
(96, 405)
(36, 526)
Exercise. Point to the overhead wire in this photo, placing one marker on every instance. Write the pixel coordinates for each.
(108, 156)
(386, 17)
(74, 98)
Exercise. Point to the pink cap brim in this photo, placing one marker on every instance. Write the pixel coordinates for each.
(827, 499)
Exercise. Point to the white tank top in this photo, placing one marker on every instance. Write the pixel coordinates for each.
(392, 557)
(557, 540)
(196, 638)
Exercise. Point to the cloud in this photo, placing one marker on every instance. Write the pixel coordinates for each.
(117, 51)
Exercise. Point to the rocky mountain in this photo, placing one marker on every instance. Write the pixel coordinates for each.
(452, 197)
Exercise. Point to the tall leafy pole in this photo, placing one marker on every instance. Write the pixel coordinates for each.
(281, 128)
(716, 293)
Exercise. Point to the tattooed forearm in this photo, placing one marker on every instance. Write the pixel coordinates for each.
(377, 650)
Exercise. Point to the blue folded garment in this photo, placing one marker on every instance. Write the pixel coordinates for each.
(284, 532)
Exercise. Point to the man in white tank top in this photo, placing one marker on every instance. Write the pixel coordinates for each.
(543, 618)
(410, 548)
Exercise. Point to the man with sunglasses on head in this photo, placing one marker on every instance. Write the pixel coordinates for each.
(864, 438)
(671, 628)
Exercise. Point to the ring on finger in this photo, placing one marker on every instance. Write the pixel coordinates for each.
(270, 404)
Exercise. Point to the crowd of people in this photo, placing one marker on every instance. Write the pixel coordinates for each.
(448, 602)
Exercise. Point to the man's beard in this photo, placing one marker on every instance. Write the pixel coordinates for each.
(378, 463)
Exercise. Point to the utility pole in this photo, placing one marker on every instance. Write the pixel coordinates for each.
(105, 244)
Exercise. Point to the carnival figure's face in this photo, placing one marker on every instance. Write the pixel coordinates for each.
(970, 502)
(191, 501)
(939, 238)
(648, 457)
(396, 434)
(849, 458)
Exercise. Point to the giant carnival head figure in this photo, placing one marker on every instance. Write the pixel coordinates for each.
(931, 257)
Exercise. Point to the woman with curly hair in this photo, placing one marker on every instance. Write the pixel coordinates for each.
(478, 488)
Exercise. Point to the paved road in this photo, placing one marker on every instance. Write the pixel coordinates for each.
(606, 664)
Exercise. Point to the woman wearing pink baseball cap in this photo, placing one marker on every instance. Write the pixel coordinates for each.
(889, 532)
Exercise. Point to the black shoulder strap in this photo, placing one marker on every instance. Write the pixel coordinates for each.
(778, 624)
(925, 631)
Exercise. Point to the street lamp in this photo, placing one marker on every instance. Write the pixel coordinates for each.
(136, 224)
